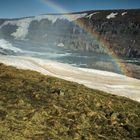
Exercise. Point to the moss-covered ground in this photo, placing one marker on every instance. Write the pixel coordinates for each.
(38, 107)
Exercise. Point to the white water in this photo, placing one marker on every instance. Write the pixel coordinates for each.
(8, 46)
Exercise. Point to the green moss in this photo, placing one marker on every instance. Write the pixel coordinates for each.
(34, 106)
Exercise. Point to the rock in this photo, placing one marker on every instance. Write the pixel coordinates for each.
(114, 118)
(2, 114)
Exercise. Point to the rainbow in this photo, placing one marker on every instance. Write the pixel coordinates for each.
(121, 66)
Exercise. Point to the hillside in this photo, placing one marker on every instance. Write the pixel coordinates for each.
(84, 39)
(34, 106)
(120, 28)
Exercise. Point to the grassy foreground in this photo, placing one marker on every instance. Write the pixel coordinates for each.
(38, 107)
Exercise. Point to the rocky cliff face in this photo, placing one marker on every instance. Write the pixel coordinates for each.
(120, 28)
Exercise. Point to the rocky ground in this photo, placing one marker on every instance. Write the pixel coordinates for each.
(34, 106)
(133, 70)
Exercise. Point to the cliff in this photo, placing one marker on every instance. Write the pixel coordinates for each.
(120, 28)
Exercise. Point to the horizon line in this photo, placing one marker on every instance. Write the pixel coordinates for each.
(68, 13)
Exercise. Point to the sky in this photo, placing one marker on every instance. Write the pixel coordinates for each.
(24, 8)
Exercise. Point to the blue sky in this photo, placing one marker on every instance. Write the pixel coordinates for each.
(22, 8)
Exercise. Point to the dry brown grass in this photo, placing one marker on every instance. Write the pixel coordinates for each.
(38, 107)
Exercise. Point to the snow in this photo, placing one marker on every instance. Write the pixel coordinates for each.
(73, 17)
(60, 45)
(22, 30)
(112, 83)
(112, 15)
(8, 46)
(124, 13)
(90, 16)
(101, 72)
(54, 18)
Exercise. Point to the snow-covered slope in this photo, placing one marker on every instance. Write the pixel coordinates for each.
(106, 81)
